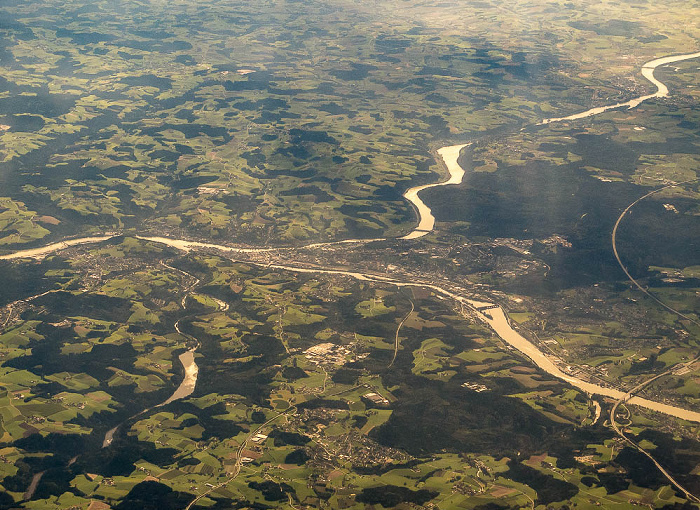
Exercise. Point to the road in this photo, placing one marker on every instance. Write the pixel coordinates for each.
(626, 397)
(396, 340)
(624, 268)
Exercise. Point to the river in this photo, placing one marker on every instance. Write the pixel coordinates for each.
(184, 390)
(450, 154)
(426, 220)
(36, 253)
(189, 382)
(189, 365)
(648, 72)
(498, 321)
(495, 317)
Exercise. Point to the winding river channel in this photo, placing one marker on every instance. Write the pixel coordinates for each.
(426, 220)
(648, 72)
(490, 313)
(186, 359)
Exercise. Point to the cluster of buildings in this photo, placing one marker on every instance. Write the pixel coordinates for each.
(376, 399)
(332, 354)
(475, 386)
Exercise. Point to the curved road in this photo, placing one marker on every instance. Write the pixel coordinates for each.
(689, 495)
(619, 261)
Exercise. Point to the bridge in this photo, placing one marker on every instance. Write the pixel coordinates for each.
(487, 307)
